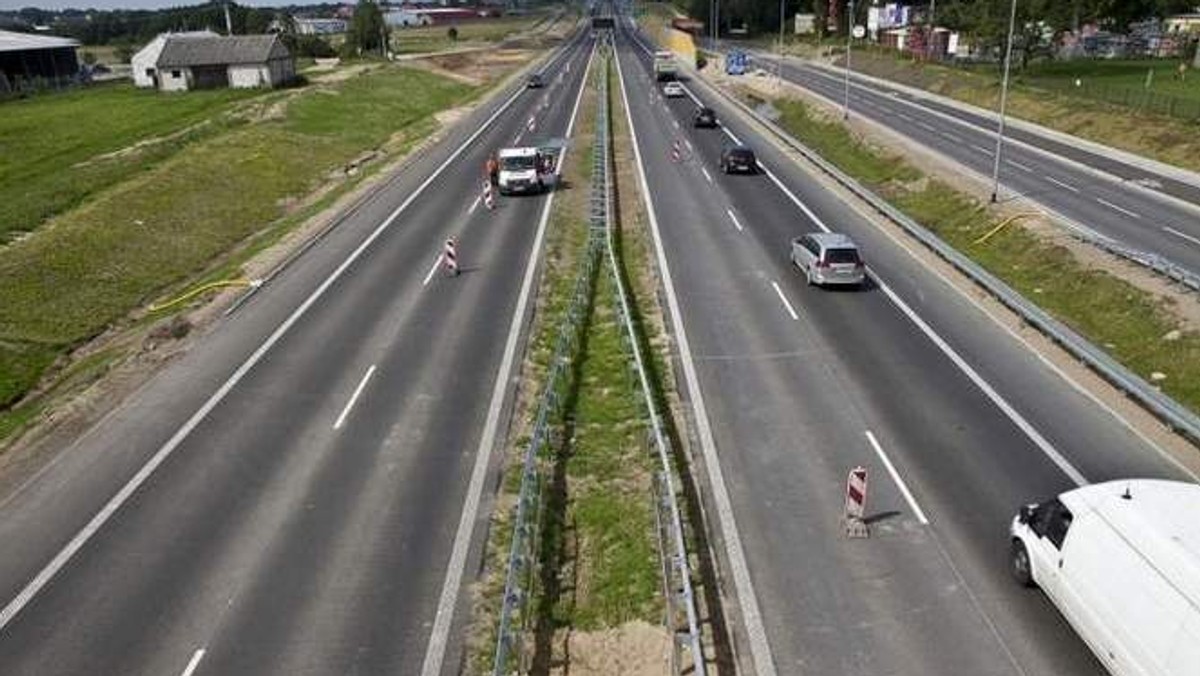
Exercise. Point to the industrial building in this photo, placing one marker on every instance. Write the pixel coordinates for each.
(35, 61)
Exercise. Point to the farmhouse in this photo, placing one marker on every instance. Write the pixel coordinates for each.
(32, 60)
(239, 61)
(145, 62)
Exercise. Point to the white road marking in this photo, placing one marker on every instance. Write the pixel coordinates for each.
(193, 663)
(435, 651)
(903, 116)
(950, 137)
(432, 269)
(1123, 210)
(706, 174)
(1184, 235)
(783, 299)
(474, 205)
(1059, 183)
(990, 392)
(908, 496)
(926, 127)
(743, 586)
(341, 419)
(983, 150)
(85, 534)
(1018, 165)
(733, 218)
(689, 145)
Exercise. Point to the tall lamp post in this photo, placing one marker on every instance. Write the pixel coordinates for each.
(779, 65)
(849, 40)
(1012, 22)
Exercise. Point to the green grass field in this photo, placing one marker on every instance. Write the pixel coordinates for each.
(1130, 74)
(50, 146)
(474, 33)
(133, 241)
(1112, 313)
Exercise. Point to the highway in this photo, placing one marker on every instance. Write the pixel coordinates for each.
(305, 490)
(791, 386)
(1090, 192)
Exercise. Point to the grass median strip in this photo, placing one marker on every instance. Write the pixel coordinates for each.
(85, 270)
(1137, 328)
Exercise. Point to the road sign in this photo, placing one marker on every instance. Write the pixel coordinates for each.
(859, 32)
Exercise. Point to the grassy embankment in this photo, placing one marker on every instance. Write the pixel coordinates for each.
(1042, 95)
(149, 221)
(474, 33)
(599, 562)
(1130, 323)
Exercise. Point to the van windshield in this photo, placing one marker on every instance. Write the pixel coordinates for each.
(517, 163)
(833, 256)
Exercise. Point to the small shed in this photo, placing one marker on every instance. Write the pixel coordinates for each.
(238, 61)
(145, 62)
(36, 60)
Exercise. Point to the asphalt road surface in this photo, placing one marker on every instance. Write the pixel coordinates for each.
(286, 498)
(956, 420)
(1032, 166)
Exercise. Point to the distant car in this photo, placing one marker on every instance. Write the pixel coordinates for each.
(673, 90)
(740, 159)
(828, 258)
(535, 81)
(704, 117)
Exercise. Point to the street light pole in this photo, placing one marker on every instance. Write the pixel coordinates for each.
(1012, 22)
(849, 39)
(779, 65)
(932, 29)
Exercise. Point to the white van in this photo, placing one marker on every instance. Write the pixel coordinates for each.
(1121, 560)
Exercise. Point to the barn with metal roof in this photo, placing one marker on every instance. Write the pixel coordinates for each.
(224, 61)
(28, 60)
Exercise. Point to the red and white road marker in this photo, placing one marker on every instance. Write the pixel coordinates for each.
(676, 154)
(532, 124)
(450, 256)
(856, 503)
(489, 200)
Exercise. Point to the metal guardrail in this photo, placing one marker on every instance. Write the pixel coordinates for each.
(676, 566)
(1172, 413)
(522, 567)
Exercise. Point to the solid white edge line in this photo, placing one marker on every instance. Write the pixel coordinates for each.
(435, 651)
(707, 175)
(43, 577)
(193, 663)
(760, 649)
(1059, 183)
(1183, 235)
(990, 392)
(432, 269)
(362, 384)
(1123, 210)
(887, 463)
(783, 299)
(734, 218)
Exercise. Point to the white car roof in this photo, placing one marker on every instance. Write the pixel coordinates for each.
(518, 152)
(1160, 519)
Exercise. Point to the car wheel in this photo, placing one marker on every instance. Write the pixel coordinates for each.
(1022, 572)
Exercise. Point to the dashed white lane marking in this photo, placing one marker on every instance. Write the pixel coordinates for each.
(194, 663)
(474, 205)
(432, 269)
(362, 384)
(1018, 165)
(1183, 235)
(1123, 210)
(707, 176)
(689, 145)
(905, 117)
(439, 635)
(1055, 181)
(783, 299)
(733, 217)
(926, 127)
(950, 137)
(908, 496)
(983, 150)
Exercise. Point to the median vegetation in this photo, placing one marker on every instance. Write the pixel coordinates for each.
(1139, 329)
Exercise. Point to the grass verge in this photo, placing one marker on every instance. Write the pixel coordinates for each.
(1138, 329)
(86, 270)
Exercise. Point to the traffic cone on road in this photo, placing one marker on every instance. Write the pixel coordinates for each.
(675, 152)
(489, 199)
(450, 256)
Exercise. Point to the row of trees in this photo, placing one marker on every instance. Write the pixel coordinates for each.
(983, 20)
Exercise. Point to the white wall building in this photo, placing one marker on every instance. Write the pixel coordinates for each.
(239, 61)
(320, 26)
(145, 62)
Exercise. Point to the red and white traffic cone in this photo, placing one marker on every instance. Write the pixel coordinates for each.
(532, 124)
(675, 152)
(489, 200)
(450, 256)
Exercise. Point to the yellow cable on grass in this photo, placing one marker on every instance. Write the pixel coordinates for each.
(1003, 223)
(205, 287)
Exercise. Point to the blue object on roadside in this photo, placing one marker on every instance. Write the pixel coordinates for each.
(736, 63)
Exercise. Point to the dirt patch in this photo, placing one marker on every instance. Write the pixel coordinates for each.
(473, 68)
(632, 649)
